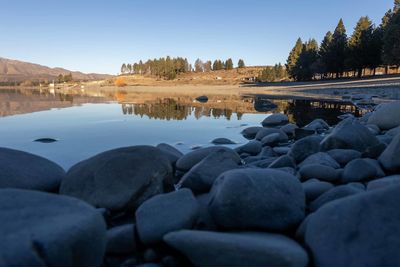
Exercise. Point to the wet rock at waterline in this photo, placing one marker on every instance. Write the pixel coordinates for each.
(42, 229)
(275, 119)
(251, 132)
(202, 99)
(45, 140)
(222, 141)
(171, 152)
(23, 170)
(120, 179)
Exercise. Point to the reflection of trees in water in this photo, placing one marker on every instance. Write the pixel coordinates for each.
(170, 109)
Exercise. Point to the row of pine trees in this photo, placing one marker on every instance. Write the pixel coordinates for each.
(338, 55)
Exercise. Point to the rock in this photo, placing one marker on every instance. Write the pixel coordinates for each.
(264, 163)
(171, 152)
(317, 125)
(320, 172)
(251, 132)
(45, 140)
(267, 152)
(166, 213)
(121, 239)
(253, 147)
(275, 119)
(358, 231)
(186, 162)
(379, 172)
(267, 131)
(344, 156)
(373, 129)
(386, 116)
(257, 199)
(281, 150)
(302, 133)
(314, 188)
(393, 132)
(374, 152)
(222, 141)
(202, 99)
(338, 192)
(358, 170)
(42, 229)
(305, 147)
(384, 139)
(23, 170)
(321, 158)
(349, 134)
(201, 177)
(119, 179)
(250, 249)
(393, 180)
(390, 158)
(271, 140)
(289, 129)
(283, 161)
(205, 220)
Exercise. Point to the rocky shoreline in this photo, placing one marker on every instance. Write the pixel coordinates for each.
(319, 196)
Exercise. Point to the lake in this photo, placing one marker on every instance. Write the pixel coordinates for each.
(86, 123)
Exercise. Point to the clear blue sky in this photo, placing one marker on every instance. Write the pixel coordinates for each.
(99, 35)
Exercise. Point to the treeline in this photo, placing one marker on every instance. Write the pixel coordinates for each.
(272, 74)
(64, 78)
(169, 68)
(338, 55)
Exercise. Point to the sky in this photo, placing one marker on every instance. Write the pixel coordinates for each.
(99, 35)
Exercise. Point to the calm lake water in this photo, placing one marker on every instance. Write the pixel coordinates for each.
(86, 123)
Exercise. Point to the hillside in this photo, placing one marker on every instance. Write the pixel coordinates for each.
(17, 71)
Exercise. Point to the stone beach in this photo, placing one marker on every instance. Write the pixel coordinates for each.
(321, 195)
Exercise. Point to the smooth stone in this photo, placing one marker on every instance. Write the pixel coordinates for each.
(250, 249)
(272, 140)
(393, 180)
(267, 152)
(265, 199)
(222, 141)
(121, 239)
(171, 152)
(385, 138)
(202, 98)
(335, 193)
(320, 172)
(165, 213)
(23, 170)
(313, 189)
(317, 125)
(205, 220)
(283, 161)
(390, 158)
(45, 140)
(275, 119)
(281, 150)
(386, 115)
(344, 156)
(374, 152)
(43, 229)
(393, 132)
(252, 147)
(289, 129)
(373, 129)
(349, 134)
(358, 231)
(358, 170)
(267, 131)
(264, 163)
(119, 179)
(202, 175)
(305, 147)
(190, 159)
(251, 132)
(301, 133)
(321, 158)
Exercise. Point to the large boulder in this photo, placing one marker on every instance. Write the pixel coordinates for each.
(358, 231)
(359, 170)
(349, 134)
(275, 119)
(305, 147)
(171, 152)
(42, 229)
(386, 116)
(390, 158)
(250, 249)
(257, 199)
(119, 179)
(190, 159)
(252, 147)
(166, 213)
(23, 170)
(201, 177)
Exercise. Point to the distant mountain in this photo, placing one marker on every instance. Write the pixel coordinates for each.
(17, 71)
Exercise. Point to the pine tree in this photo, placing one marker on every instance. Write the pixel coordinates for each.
(293, 57)
(304, 71)
(229, 64)
(391, 37)
(325, 55)
(241, 64)
(338, 49)
(123, 68)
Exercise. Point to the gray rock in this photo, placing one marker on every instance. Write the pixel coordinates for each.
(321, 158)
(344, 156)
(390, 158)
(358, 231)
(275, 119)
(201, 177)
(281, 150)
(305, 147)
(23, 170)
(358, 170)
(222, 141)
(302, 133)
(42, 229)
(171, 152)
(375, 151)
(251, 132)
(283, 161)
(373, 129)
(317, 125)
(121, 239)
(267, 131)
(314, 188)
(267, 152)
(166, 213)
(334, 194)
(252, 147)
(385, 138)
(349, 134)
(393, 132)
(205, 249)
(386, 116)
(320, 172)
(289, 129)
(393, 180)
(257, 199)
(190, 159)
(205, 220)
(119, 179)
(264, 163)
(272, 139)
